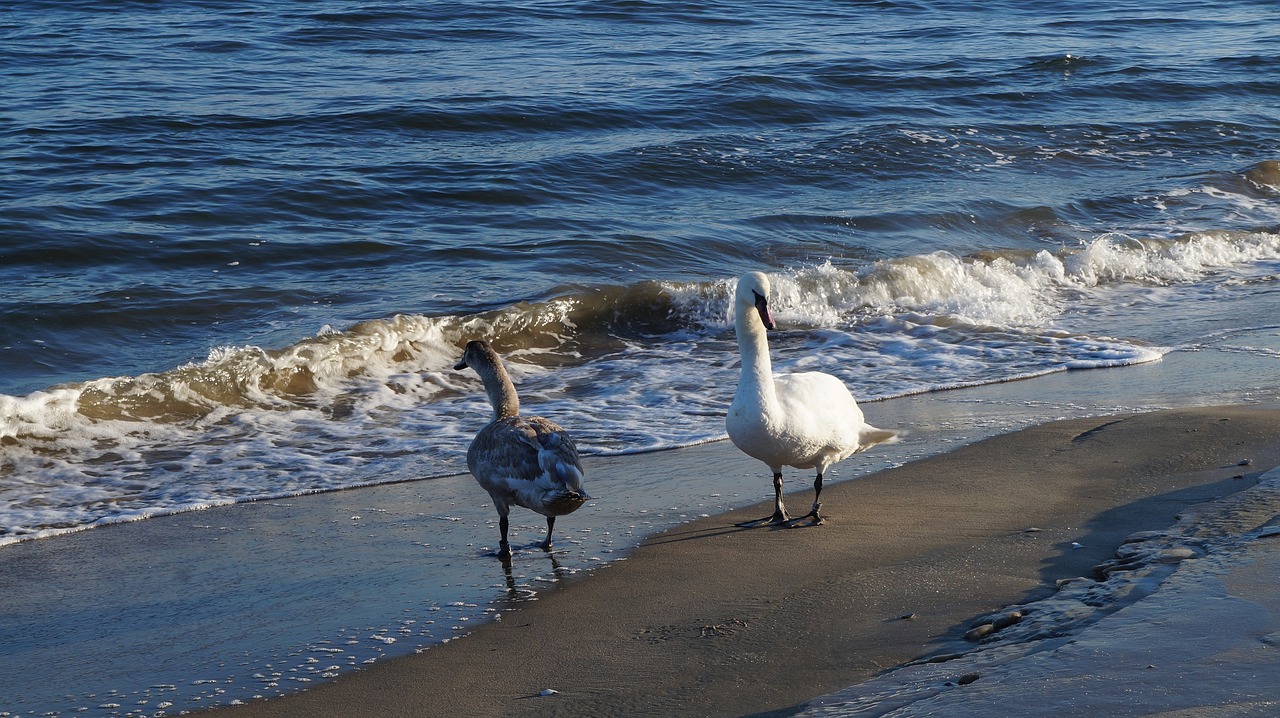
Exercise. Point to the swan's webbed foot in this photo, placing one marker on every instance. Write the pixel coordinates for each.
(818, 519)
(779, 517)
(504, 552)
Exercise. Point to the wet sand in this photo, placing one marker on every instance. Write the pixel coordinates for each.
(1183, 623)
(710, 619)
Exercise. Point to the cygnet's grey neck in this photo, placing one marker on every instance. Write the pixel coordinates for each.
(497, 383)
(502, 393)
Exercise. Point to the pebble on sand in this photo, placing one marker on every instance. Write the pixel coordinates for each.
(979, 632)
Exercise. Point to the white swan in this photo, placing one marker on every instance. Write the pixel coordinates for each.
(806, 420)
(523, 460)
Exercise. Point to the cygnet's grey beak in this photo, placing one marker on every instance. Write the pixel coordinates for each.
(462, 364)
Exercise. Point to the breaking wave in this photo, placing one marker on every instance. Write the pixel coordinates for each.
(631, 368)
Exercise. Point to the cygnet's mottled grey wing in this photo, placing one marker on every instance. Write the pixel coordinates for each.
(527, 448)
(557, 454)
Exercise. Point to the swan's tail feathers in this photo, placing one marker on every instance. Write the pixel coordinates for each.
(872, 436)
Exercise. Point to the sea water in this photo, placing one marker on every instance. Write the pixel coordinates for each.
(242, 247)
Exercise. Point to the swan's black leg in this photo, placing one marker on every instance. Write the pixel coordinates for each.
(551, 524)
(817, 505)
(779, 511)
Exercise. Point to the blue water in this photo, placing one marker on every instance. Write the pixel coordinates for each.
(242, 246)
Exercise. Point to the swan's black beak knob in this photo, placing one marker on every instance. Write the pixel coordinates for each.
(762, 307)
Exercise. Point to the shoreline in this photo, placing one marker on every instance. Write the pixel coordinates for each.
(709, 619)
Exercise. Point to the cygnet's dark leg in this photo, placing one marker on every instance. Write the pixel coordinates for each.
(779, 511)
(817, 505)
(504, 548)
(551, 524)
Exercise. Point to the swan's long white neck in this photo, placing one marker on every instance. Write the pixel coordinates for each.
(757, 371)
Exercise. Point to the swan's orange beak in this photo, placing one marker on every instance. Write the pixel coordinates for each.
(762, 306)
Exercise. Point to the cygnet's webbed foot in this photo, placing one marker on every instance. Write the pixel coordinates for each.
(779, 517)
(504, 552)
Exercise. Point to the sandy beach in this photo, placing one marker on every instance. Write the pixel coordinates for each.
(712, 620)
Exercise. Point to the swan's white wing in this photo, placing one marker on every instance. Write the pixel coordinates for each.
(823, 423)
(821, 402)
